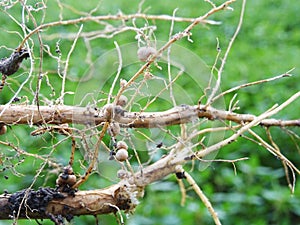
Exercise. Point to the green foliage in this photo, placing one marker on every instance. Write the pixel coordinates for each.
(267, 45)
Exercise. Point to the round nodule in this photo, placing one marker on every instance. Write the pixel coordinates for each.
(122, 144)
(122, 174)
(3, 129)
(122, 100)
(121, 155)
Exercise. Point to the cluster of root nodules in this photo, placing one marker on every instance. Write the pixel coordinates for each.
(66, 180)
(35, 202)
(9, 66)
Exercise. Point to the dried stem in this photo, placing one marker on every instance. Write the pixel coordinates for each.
(118, 72)
(65, 73)
(220, 71)
(176, 37)
(201, 195)
(286, 74)
(94, 158)
(247, 127)
(121, 17)
(22, 114)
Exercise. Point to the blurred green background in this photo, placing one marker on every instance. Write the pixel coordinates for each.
(268, 45)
